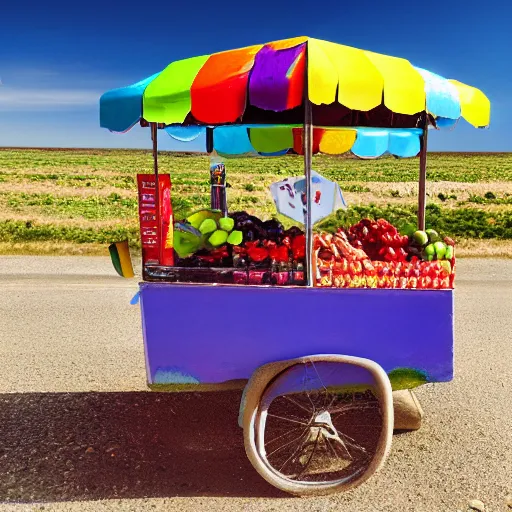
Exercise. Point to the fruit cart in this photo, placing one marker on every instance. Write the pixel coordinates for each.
(317, 328)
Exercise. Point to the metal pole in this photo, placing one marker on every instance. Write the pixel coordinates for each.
(218, 199)
(154, 138)
(422, 192)
(209, 139)
(307, 141)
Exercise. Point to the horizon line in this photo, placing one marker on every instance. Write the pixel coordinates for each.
(65, 148)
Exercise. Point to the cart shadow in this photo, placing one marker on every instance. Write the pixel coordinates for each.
(88, 446)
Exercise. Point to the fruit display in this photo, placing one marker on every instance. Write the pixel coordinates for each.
(205, 233)
(369, 254)
(373, 254)
(429, 246)
(279, 261)
(258, 252)
(268, 254)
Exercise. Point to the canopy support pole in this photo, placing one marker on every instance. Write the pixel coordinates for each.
(154, 138)
(308, 152)
(209, 140)
(422, 192)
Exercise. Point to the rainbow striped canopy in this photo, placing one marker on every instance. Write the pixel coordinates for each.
(267, 84)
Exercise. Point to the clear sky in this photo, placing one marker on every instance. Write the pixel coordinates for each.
(57, 58)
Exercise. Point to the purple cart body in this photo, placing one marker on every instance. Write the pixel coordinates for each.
(211, 335)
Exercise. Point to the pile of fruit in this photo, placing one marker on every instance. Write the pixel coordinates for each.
(205, 233)
(369, 254)
(269, 254)
(260, 252)
(373, 254)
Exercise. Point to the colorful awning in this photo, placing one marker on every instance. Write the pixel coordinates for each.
(257, 140)
(267, 81)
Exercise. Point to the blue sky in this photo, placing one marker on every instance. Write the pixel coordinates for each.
(57, 58)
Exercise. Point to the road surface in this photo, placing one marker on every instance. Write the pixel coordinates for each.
(79, 431)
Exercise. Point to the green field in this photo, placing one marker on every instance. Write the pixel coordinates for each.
(77, 201)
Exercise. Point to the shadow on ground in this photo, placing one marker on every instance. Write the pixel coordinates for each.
(86, 446)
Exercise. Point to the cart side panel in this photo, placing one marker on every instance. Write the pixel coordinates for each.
(195, 334)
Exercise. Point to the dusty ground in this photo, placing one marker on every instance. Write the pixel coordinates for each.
(78, 431)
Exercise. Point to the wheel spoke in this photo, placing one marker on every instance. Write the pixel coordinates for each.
(305, 389)
(327, 394)
(333, 449)
(344, 448)
(287, 419)
(292, 455)
(279, 448)
(311, 456)
(334, 397)
(318, 375)
(288, 432)
(353, 443)
(303, 407)
(353, 407)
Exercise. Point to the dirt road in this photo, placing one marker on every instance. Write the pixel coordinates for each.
(79, 432)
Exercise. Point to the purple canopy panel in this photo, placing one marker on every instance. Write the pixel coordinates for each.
(269, 84)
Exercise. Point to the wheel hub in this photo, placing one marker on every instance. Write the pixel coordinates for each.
(323, 439)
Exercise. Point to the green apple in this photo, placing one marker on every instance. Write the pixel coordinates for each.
(449, 252)
(226, 223)
(406, 228)
(235, 238)
(440, 249)
(420, 237)
(433, 235)
(208, 226)
(430, 252)
(218, 238)
(196, 218)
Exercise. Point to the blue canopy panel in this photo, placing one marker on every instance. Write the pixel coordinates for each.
(121, 109)
(375, 142)
(231, 141)
(442, 98)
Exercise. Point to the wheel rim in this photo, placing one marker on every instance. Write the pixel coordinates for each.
(320, 423)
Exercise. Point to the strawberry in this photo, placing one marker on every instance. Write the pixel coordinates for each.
(369, 269)
(257, 254)
(299, 247)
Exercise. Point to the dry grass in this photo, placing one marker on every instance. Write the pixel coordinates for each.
(28, 187)
(489, 248)
(468, 248)
(407, 193)
(53, 248)
(34, 218)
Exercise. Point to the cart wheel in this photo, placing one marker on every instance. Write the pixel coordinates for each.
(319, 424)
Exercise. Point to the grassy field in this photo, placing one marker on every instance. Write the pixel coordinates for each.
(78, 201)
